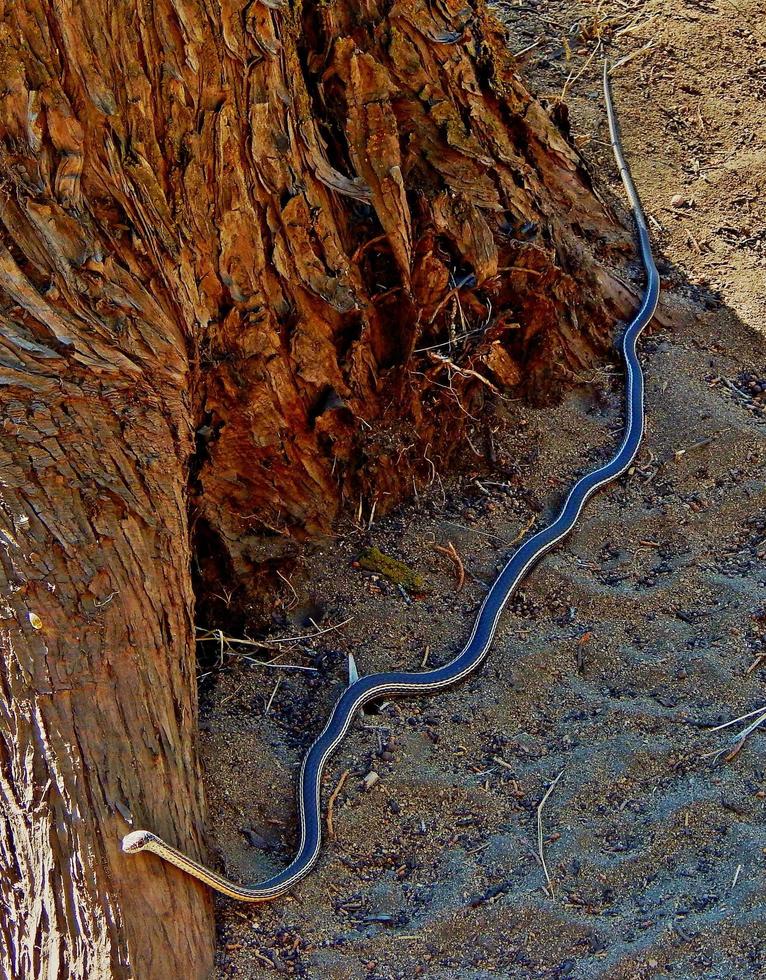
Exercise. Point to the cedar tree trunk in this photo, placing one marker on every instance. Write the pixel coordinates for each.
(227, 230)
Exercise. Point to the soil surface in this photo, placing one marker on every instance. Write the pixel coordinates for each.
(620, 651)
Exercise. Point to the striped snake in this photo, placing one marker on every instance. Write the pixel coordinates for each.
(361, 690)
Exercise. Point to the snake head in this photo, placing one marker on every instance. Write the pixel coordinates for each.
(136, 841)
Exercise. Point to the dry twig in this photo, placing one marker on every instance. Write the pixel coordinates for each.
(451, 552)
(273, 695)
(220, 637)
(738, 741)
(540, 850)
(331, 803)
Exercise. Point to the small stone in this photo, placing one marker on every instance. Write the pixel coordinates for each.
(369, 780)
(254, 839)
(35, 621)
(679, 201)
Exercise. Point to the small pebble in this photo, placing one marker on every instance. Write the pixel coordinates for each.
(254, 839)
(369, 780)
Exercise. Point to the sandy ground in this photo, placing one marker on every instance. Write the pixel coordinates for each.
(619, 653)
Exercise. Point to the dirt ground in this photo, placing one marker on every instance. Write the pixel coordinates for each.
(623, 647)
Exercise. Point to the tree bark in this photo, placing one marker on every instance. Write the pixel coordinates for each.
(258, 263)
(97, 693)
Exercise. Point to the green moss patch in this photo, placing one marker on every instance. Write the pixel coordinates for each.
(374, 560)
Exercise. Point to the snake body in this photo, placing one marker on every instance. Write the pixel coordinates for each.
(398, 683)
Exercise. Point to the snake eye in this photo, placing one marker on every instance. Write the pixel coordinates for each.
(135, 841)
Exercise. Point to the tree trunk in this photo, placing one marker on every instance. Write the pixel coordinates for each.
(259, 262)
(97, 693)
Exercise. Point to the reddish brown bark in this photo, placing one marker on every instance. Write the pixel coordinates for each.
(97, 699)
(227, 232)
(375, 157)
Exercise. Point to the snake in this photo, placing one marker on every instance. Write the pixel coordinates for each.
(362, 690)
